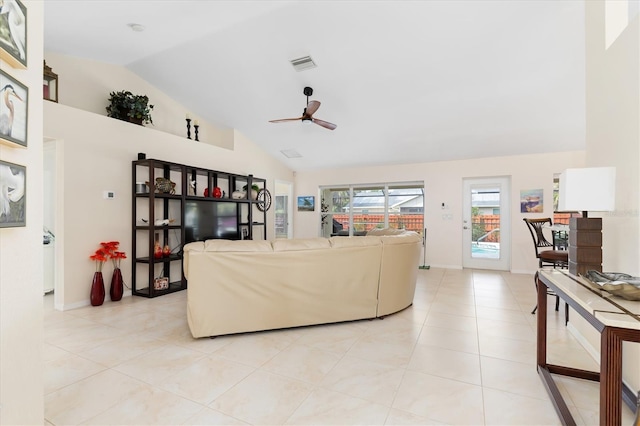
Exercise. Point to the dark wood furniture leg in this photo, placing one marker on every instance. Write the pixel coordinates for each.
(612, 390)
(610, 377)
(545, 370)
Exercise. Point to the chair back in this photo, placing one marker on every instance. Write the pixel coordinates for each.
(535, 228)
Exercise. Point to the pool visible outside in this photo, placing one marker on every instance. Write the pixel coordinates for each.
(485, 250)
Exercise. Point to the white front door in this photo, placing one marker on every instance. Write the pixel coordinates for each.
(486, 223)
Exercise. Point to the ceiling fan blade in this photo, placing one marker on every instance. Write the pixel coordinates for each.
(282, 120)
(324, 124)
(312, 107)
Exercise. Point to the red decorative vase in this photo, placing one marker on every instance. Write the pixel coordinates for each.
(116, 289)
(97, 289)
(157, 250)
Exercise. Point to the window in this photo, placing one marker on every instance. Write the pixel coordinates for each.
(560, 217)
(356, 209)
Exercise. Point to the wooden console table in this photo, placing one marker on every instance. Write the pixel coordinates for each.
(616, 320)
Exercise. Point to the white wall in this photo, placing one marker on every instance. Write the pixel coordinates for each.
(613, 132)
(613, 139)
(21, 257)
(443, 184)
(96, 153)
(86, 84)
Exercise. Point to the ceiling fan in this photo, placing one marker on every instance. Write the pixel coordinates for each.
(307, 114)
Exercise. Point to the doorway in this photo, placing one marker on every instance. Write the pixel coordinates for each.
(283, 210)
(486, 223)
(52, 221)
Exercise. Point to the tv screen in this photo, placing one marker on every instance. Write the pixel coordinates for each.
(205, 220)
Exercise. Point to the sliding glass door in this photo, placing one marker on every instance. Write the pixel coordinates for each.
(357, 209)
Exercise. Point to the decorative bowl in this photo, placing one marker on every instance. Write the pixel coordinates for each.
(616, 283)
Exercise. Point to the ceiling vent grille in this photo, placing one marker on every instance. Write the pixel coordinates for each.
(291, 153)
(304, 63)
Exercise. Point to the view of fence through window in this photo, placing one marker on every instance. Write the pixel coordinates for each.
(354, 210)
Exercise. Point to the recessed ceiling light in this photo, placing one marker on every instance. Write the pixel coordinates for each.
(136, 27)
(291, 153)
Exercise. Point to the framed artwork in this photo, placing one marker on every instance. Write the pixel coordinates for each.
(531, 201)
(13, 195)
(13, 33)
(14, 99)
(306, 203)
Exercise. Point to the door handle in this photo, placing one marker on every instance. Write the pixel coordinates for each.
(465, 227)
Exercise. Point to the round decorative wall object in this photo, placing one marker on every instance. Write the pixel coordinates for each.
(264, 200)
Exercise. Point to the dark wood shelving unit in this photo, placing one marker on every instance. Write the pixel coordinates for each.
(154, 206)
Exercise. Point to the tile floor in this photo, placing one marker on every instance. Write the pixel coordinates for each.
(464, 353)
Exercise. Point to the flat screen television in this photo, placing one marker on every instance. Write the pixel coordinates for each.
(205, 220)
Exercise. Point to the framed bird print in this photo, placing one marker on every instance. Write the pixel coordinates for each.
(13, 195)
(306, 203)
(13, 33)
(14, 97)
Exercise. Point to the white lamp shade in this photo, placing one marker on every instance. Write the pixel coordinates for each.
(588, 189)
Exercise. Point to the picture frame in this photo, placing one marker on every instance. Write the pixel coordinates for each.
(531, 201)
(13, 33)
(161, 283)
(306, 203)
(14, 105)
(13, 195)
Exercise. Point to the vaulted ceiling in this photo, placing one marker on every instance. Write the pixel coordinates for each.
(405, 81)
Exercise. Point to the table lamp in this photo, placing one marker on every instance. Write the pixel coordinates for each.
(588, 189)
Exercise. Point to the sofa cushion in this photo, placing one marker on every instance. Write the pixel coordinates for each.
(341, 242)
(407, 237)
(194, 246)
(301, 244)
(385, 231)
(237, 245)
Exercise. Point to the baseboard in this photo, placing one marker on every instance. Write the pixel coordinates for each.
(446, 266)
(82, 304)
(523, 271)
(70, 306)
(595, 354)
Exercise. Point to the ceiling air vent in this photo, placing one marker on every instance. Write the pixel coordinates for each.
(304, 63)
(291, 153)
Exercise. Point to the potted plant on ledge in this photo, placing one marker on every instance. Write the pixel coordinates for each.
(126, 106)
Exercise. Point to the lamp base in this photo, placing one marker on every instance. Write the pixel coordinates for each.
(585, 245)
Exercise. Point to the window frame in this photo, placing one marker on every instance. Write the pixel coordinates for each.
(328, 207)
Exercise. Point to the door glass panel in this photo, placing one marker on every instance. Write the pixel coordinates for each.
(281, 217)
(368, 210)
(485, 222)
(406, 208)
(335, 211)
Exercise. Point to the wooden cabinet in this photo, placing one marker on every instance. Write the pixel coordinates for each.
(175, 204)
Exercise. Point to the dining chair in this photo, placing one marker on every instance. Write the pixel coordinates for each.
(547, 255)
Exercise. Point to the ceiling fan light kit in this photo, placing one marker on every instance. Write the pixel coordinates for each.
(307, 114)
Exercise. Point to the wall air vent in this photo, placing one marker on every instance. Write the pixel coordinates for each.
(291, 153)
(304, 63)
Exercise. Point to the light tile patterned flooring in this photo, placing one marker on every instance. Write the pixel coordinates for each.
(464, 353)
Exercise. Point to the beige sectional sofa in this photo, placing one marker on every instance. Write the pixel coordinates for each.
(242, 286)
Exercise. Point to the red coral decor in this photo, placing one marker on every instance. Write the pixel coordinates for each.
(107, 250)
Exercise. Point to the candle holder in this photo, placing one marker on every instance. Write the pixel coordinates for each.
(195, 131)
(188, 128)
